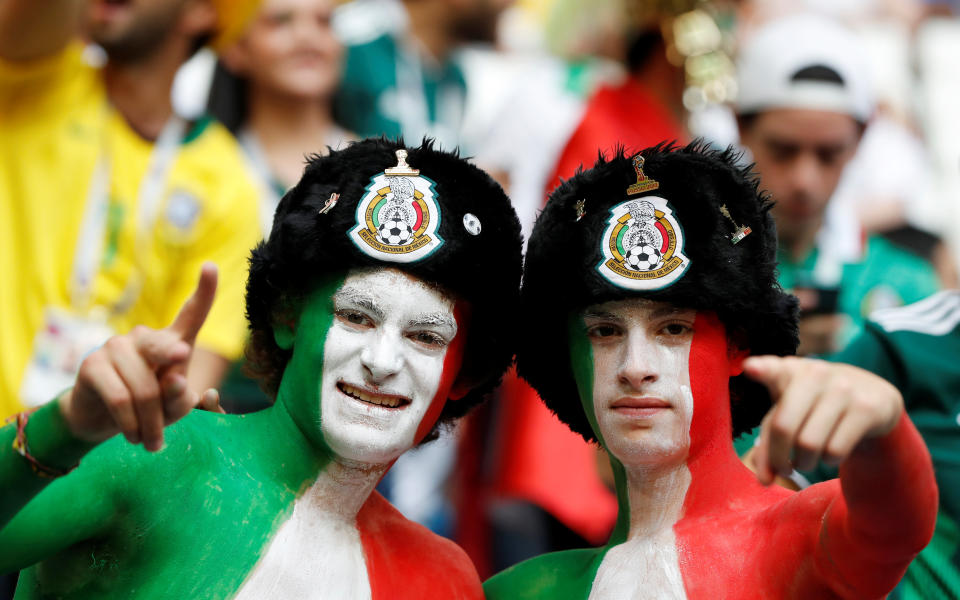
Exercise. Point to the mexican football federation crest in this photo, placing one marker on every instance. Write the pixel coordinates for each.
(398, 216)
(643, 245)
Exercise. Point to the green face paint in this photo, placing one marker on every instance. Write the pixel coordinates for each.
(582, 367)
(300, 388)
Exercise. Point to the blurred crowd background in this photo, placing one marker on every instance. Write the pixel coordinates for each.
(139, 138)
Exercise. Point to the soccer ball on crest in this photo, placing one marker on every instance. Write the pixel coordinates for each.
(394, 232)
(644, 258)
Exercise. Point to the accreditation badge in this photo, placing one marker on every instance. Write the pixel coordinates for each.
(58, 349)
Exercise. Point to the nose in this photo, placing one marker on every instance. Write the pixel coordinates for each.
(638, 365)
(381, 358)
(805, 174)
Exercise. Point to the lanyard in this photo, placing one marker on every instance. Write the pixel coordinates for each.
(270, 186)
(269, 198)
(89, 252)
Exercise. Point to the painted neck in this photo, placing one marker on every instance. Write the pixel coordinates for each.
(140, 90)
(301, 428)
(301, 459)
(655, 498)
(717, 477)
(342, 488)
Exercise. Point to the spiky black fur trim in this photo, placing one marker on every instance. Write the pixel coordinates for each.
(305, 246)
(738, 282)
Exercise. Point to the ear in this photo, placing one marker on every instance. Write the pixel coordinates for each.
(736, 356)
(283, 335)
(459, 389)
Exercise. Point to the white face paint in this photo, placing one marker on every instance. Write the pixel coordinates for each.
(383, 362)
(641, 387)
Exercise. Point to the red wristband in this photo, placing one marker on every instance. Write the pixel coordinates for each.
(23, 449)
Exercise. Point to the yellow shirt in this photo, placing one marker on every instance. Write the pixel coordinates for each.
(55, 124)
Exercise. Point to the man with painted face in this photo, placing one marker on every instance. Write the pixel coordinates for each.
(657, 317)
(372, 324)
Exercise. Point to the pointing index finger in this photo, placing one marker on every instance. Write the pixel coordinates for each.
(774, 372)
(195, 309)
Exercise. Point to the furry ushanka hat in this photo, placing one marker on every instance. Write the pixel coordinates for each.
(667, 238)
(450, 224)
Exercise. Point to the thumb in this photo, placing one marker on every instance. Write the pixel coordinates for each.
(195, 310)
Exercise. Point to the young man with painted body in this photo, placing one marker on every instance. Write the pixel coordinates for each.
(362, 339)
(639, 276)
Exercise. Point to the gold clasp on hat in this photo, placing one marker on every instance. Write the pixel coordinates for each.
(402, 169)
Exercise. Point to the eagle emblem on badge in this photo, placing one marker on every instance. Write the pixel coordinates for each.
(398, 216)
(642, 245)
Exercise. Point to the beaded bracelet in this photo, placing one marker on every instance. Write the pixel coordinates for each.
(21, 447)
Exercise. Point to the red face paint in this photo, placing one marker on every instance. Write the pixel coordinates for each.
(452, 362)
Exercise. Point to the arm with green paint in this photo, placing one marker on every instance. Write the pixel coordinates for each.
(135, 384)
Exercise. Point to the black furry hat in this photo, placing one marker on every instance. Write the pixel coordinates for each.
(450, 224)
(596, 242)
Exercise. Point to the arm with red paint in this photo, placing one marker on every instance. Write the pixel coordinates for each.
(136, 385)
(850, 417)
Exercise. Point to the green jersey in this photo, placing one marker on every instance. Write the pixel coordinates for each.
(917, 348)
(391, 88)
(886, 276)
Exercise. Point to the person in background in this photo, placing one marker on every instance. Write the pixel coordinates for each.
(803, 103)
(109, 201)
(274, 88)
(403, 78)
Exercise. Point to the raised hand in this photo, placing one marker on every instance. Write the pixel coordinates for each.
(136, 383)
(822, 410)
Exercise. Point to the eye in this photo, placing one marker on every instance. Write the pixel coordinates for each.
(279, 19)
(428, 338)
(602, 330)
(677, 329)
(354, 317)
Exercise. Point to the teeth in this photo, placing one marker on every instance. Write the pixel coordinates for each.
(353, 392)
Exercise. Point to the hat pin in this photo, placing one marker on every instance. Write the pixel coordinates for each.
(740, 231)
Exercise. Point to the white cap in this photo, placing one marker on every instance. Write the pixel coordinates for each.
(779, 51)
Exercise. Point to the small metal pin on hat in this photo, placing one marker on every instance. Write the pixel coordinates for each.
(740, 231)
(330, 203)
(580, 206)
(402, 169)
(643, 183)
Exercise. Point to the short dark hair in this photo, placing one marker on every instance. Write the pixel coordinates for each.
(306, 246)
(736, 281)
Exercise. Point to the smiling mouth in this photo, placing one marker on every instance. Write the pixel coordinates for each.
(383, 400)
